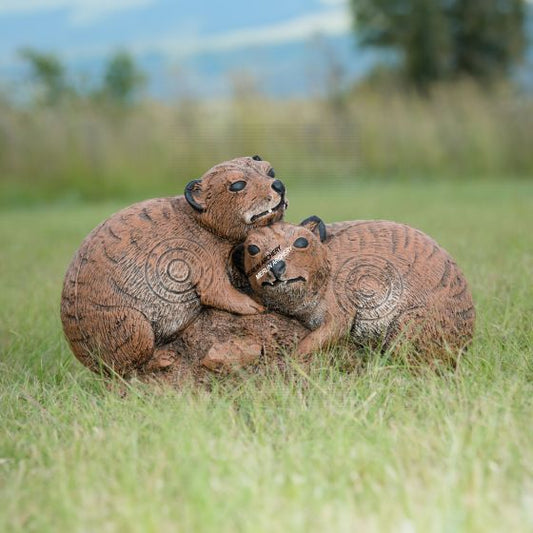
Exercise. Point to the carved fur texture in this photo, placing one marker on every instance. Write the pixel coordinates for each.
(223, 343)
(144, 274)
(386, 284)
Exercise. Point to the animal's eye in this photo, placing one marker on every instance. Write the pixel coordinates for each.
(271, 173)
(237, 186)
(301, 242)
(253, 249)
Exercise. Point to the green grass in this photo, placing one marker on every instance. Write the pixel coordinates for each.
(86, 151)
(384, 449)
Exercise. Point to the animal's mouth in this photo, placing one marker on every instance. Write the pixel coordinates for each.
(282, 205)
(277, 282)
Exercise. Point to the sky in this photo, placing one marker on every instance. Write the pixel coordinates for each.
(205, 38)
(208, 39)
(86, 28)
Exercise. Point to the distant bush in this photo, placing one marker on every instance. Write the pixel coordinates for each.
(50, 84)
(48, 76)
(94, 151)
(122, 79)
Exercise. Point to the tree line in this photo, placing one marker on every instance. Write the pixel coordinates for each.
(121, 82)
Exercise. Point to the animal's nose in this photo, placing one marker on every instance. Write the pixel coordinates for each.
(278, 187)
(278, 269)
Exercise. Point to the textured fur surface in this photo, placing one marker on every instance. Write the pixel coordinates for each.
(221, 342)
(387, 284)
(144, 274)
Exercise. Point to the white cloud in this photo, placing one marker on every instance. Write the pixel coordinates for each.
(80, 12)
(334, 2)
(331, 22)
(187, 40)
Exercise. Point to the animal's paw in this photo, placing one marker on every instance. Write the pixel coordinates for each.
(248, 307)
(311, 343)
(161, 360)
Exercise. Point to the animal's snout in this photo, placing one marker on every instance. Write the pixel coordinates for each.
(278, 269)
(278, 186)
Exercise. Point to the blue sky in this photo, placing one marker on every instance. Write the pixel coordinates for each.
(205, 39)
(78, 28)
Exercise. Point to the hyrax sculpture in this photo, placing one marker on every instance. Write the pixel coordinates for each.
(385, 283)
(143, 275)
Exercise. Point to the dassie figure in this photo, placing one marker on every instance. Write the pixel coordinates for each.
(143, 275)
(384, 282)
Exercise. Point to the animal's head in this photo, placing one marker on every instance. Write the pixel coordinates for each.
(287, 266)
(237, 196)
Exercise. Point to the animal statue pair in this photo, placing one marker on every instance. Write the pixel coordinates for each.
(214, 280)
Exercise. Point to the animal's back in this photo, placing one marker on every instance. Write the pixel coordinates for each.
(131, 284)
(402, 284)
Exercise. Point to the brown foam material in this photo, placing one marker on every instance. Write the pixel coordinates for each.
(142, 276)
(387, 284)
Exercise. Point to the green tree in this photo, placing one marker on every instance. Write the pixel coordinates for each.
(122, 79)
(443, 39)
(488, 36)
(48, 73)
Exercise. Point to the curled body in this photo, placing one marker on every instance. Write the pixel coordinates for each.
(386, 284)
(142, 276)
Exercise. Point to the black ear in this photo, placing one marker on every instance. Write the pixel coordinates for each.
(257, 158)
(316, 225)
(192, 188)
(237, 258)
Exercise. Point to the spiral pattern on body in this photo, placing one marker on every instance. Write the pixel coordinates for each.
(174, 267)
(370, 285)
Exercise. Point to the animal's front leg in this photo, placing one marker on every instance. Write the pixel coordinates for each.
(221, 294)
(329, 332)
(226, 297)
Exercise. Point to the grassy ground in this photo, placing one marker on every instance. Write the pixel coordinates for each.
(382, 450)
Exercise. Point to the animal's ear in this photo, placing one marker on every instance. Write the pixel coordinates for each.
(193, 192)
(257, 158)
(316, 225)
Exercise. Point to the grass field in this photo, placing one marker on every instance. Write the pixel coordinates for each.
(385, 449)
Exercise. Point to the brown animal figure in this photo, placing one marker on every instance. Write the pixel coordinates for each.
(386, 283)
(143, 275)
